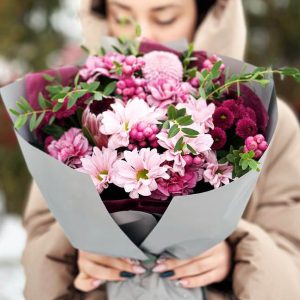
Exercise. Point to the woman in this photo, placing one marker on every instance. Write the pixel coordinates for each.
(261, 259)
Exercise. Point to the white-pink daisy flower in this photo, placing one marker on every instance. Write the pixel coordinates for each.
(201, 112)
(119, 121)
(137, 174)
(99, 166)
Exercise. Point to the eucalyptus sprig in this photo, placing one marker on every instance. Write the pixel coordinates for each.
(210, 90)
(58, 95)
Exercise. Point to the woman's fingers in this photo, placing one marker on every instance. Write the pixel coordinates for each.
(100, 272)
(124, 265)
(86, 283)
(202, 280)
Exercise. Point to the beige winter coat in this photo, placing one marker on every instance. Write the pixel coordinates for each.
(267, 241)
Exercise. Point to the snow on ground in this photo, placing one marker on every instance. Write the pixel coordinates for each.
(12, 241)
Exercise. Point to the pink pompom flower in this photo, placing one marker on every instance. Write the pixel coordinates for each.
(99, 166)
(162, 65)
(70, 148)
(138, 173)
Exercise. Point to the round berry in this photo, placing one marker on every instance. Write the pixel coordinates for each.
(259, 138)
(188, 159)
(263, 146)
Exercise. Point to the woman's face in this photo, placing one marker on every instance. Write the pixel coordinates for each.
(160, 20)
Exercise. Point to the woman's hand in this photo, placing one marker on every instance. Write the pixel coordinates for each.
(95, 269)
(210, 267)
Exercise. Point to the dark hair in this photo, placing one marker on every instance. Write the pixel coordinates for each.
(203, 6)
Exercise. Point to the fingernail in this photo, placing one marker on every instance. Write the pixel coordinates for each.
(138, 270)
(132, 261)
(183, 282)
(97, 283)
(161, 260)
(125, 274)
(167, 274)
(159, 268)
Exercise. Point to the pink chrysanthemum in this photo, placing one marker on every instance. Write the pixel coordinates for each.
(99, 167)
(176, 186)
(218, 175)
(219, 137)
(70, 148)
(162, 65)
(223, 117)
(138, 173)
(246, 127)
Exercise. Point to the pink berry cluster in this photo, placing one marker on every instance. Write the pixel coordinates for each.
(193, 160)
(210, 61)
(257, 144)
(131, 87)
(132, 64)
(143, 135)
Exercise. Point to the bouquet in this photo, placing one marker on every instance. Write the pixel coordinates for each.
(165, 145)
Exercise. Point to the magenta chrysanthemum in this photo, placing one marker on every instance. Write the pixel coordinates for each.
(70, 148)
(219, 137)
(223, 118)
(233, 106)
(246, 127)
(162, 65)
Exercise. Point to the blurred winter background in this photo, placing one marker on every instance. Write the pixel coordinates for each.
(36, 34)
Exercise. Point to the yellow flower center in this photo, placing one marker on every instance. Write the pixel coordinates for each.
(100, 175)
(142, 174)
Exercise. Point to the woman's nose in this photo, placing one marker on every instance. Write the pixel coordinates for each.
(146, 30)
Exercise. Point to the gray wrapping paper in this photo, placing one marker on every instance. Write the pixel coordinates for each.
(191, 224)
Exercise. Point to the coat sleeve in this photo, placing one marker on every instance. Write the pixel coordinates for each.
(267, 247)
(48, 258)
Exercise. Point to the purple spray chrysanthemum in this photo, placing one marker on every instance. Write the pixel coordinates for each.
(219, 137)
(246, 127)
(223, 118)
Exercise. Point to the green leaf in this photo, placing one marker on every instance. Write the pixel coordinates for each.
(202, 93)
(88, 135)
(54, 130)
(42, 101)
(74, 97)
(244, 164)
(26, 104)
(253, 164)
(20, 122)
(76, 80)
(185, 121)
(48, 77)
(110, 88)
(40, 119)
(57, 107)
(190, 132)
(32, 122)
(289, 71)
(179, 145)
(172, 113)
(173, 131)
(193, 151)
(14, 112)
(98, 96)
(138, 30)
(93, 86)
(21, 107)
(181, 112)
(52, 119)
(215, 71)
(85, 49)
(166, 125)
